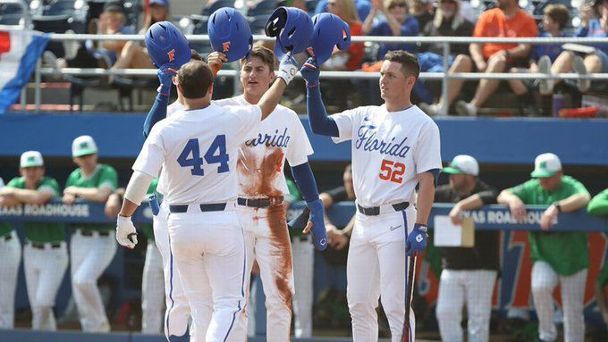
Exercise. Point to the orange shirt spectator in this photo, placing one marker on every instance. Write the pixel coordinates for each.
(356, 50)
(494, 23)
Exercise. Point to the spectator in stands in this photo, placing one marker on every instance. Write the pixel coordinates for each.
(594, 23)
(555, 19)
(559, 257)
(422, 11)
(45, 255)
(598, 206)
(468, 274)
(507, 20)
(10, 254)
(92, 246)
(396, 22)
(362, 6)
(134, 54)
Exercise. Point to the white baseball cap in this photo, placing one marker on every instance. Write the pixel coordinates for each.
(31, 159)
(83, 145)
(546, 165)
(462, 164)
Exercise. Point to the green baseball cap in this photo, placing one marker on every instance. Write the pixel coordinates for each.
(31, 159)
(462, 164)
(83, 145)
(546, 165)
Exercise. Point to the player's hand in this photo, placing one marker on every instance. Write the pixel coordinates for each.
(337, 239)
(216, 60)
(548, 217)
(316, 224)
(310, 72)
(518, 210)
(165, 75)
(288, 68)
(69, 198)
(456, 215)
(417, 240)
(126, 235)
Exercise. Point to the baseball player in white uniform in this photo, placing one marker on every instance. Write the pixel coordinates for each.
(395, 148)
(10, 254)
(262, 188)
(196, 149)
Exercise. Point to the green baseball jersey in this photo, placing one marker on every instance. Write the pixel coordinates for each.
(37, 231)
(147, 228)
(599, 204)
(104, 176)
(5, 228)
(566, 252)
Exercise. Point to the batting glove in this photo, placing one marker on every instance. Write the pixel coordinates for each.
(310, 72)
(288, 68)
(165, 76)
(126, 235)
(317, 218)
(417, 240)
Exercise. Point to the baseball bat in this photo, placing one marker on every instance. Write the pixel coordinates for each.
(406, 334)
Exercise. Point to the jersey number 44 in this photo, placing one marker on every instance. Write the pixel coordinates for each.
(216, 154)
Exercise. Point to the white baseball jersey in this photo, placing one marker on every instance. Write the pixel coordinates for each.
(389, 150)
(193, 144)
(162, 179)
(174, 107)
(281, 130)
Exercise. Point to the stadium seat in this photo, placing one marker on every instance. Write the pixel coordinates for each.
(10, 14)
(265, 7)
(208, 10)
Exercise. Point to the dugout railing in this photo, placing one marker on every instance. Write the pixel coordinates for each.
(443, 76)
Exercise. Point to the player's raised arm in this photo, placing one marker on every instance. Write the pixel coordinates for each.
(320, 122)
(287, 71)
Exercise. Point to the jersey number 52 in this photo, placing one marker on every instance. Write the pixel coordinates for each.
(392, 171)
(216, 154)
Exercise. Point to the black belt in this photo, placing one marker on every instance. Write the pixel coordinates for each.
(375, 211)
(42, 245)
(91, 233)
(182, 208)
(259, 202)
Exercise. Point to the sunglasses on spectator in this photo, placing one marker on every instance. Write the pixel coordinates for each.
(399, 4)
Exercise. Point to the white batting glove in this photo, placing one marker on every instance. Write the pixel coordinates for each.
(126, 235)
(288, 68)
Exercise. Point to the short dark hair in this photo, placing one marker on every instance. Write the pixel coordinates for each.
(196, 56)
(263, 53)
(409, 62)
(195, 78)
(558, 13)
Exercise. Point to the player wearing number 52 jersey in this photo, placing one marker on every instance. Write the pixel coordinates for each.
(197, 149)
(395, 147)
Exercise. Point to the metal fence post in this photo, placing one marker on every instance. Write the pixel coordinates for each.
(445, 106)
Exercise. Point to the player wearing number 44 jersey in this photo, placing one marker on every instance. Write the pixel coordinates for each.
(395, 147)
(197, 148)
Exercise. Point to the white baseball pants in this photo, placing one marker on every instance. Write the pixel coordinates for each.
(152, 292)
(376, 269)
(177, 313)
(89, 257)
(303, 269)
(267, 241)
(544, 280)
(10, 254)
(475, 287)
(44, 271)
(209, 255)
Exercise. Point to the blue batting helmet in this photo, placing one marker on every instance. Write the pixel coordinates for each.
(329, 31)
(166, 44)
(293, 29)
(229, 33)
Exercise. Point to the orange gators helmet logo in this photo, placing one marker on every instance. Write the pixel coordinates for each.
(171, 55)
(225, 46)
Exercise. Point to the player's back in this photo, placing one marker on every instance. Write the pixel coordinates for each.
(200, 149)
